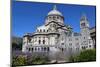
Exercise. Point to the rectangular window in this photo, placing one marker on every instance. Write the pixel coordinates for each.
(62, 43)
(32, 49)
(84, 37)
(89, 45)
(83, 24)
(70, 44)
(48, 48)
(70, 49)
(70, 39)
(77, 44)
(35, 49)
(29, 49)
(89, 41)
(76, 38)
(62, 39)
(77, 49)
(35, 39)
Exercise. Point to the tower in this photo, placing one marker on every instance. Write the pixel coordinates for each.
(85, 33)
(84, 25)
(26, 40)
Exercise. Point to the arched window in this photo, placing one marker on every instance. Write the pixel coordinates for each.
(39, 41)
(48, 48)
(29, 49)
(40, 30)
(44, 48)
(39, 37)
(57, 17)
(60, 18)
(43, 30)
(32, 49)
(43, 37)
(43, 41)
(29, 39)
(62, 49)
(35, 39)
(35, 49)
(47, 30)
(54, 17)
(49, 17)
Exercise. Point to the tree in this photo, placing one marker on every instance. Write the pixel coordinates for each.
(19, 60)
(86, 55)
(16, 46)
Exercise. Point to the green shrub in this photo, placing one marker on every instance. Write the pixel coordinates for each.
(86, 55)
(39, 60)
(19, 60)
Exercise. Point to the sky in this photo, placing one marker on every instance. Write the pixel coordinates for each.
(27, 16)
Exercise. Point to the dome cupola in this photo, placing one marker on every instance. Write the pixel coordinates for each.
(55, 16)
(55, 12)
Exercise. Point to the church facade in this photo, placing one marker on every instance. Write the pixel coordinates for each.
(54, 36)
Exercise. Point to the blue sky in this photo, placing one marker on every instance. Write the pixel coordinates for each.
(27, 16)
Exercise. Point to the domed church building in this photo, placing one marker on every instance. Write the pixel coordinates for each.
(54, 36)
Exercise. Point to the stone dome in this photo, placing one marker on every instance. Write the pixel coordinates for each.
(55, 12)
